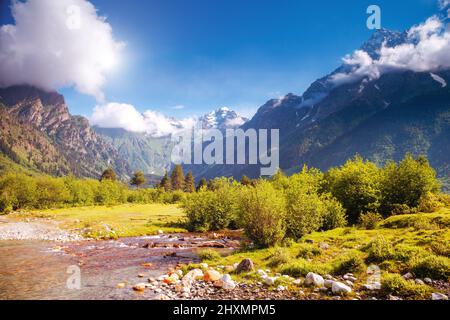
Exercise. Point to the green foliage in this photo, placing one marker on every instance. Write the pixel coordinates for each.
(262, 214)
(356, 185)
(202, 184)
(212, 210)
(301, 267)
(177, 178)
(429, 203)
(407, 182)
(370, 220)
(278, 257)
(308, 251)
(441, 248)
(431, 266)
(379, 250)
(138, 179)
(245, 181)
(165, 182)
(334, 214)
(349, 262)
(189, 183)
(209, 255)
(109, 174)
(395, 284)
(304, 207)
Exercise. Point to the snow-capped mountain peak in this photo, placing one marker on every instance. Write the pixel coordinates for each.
(222, 118)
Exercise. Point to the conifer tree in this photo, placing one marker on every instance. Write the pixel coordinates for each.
(189, 183)
(165, 182)
(138, 179)
(177, 178)
(202, 184)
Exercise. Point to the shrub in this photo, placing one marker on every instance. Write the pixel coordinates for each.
(308, 251)
(211, 210)
(334, 214)
(356, 185)
(305, 209)
(405, 253)
(429, 203)
(209, 254)
(441, 248)
(279, 256)
(349, 262)
(431, 266)
(301, 267)
(407, 182)
(397, 285)
(379, 250)
(262, 214)
(370, 220)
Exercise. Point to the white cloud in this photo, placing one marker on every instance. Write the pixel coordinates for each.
(55, 44)
(427, 50)
(444, 4)
(125, 116)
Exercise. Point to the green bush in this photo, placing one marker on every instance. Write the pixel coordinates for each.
(349, 262)
(305, 209)
(431, 266)
(209, 254)
(405, 253)
(212, 210)
(356, 185)
(395, 284)
(278, 257)
(429, 203)
(441, 248)
(308, 251)
(370, 220)
(379, 250)
(334, 214)
(407, 182)
(262, 214)
(302, 267)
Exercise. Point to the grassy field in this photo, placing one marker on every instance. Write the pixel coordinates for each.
(116, 221)
(418, 243)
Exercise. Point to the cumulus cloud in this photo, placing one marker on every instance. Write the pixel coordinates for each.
(427, 49)
(125, 116)
(55, 44)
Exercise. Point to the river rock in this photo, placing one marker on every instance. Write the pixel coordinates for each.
(313, 279)
(419, 281)
(246, 265)
(281, 288)
(297, 282)
(191, 276)
(211, 275)
(438, 296)
(324, 246)
(428, 281)
(340, 288)
(408, 276)
(328, 283)
(121, 285)
(261, 273)
(270, 281)
(139, 287)
(225, 283)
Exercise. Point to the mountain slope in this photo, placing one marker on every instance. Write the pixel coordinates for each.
(39, 132)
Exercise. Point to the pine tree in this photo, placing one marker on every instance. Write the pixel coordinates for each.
(177, 178)
(245, 181)
(189, 183)
(108, 174)
(165, 182)
(202, 184)
(138, 179)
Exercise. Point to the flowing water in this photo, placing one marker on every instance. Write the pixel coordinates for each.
(39, 269)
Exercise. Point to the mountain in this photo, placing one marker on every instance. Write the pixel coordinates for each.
(380, 119)
(38, 132)
(222, 119)
(152, 154)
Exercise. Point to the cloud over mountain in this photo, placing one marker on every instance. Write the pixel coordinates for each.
(427, 49)
(125, 116)
(54, 44)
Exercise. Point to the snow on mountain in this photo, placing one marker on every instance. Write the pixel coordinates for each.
(439, 79)
(222, 118)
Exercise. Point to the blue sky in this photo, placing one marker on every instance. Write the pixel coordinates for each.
(202, 54)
